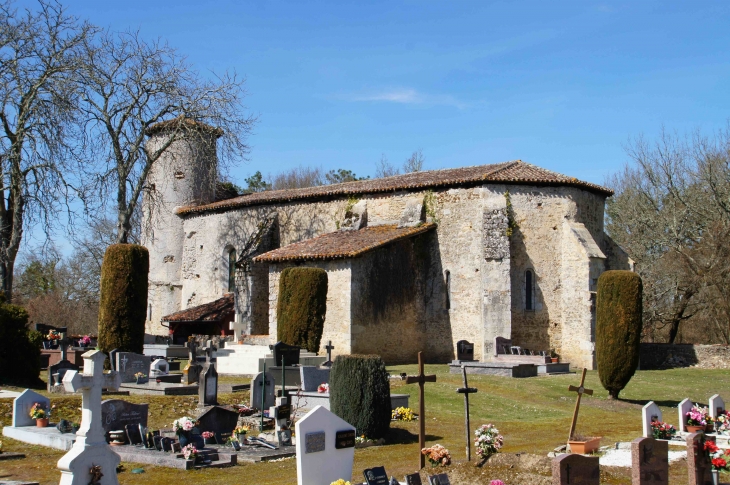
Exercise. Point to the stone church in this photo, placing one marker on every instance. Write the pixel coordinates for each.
(415, 262)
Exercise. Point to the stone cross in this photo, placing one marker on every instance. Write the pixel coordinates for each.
(580, 390)
(240, 327)
(466, 390)
(329, 348)
(421, 379)
(63, 345)
(90, 448)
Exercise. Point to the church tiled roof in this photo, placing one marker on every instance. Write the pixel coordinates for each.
(213, 311)
(342, 244)
(516, 172)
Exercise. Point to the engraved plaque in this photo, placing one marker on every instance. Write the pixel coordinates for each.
(345, 439)
(314, 442)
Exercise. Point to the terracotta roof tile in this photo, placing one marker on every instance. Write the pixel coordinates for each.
(516, 172)
(212, 311)
(343, 244)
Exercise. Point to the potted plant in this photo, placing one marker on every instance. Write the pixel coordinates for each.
(208, 437)
(583, 445)
(53, 337)
(437, 455)
(85, 341)
(662, 431)
(141, 377)
(39, 413)
(323, 388)
(488, 441)
(554, 357)
(719, 460)
(190, 452)
(183, 428)
(696, 419)
(402, 414)
(240, 432)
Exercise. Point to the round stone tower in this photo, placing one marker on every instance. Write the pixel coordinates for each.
(184, 174)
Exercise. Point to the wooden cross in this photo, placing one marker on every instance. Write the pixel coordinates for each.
(580, 390)
(421, 379)
(329, 348)
(466, 390)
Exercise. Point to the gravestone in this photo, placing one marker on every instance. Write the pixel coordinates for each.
(649, 414)
(289, 353)
(59, 368)
(22, 405)
(218, 419)
(698, 463)
(414, 479)
(569, 469)
(134, 436)
(257, 385)
(90, 448)
(683, 408)
(440, 479)
(159, 367)
(332, 462)
(117, 413)
(157, 441)
(464, 350)
(717, 406)
(649, 462)
(129, 363)
(312, 377)
(113, 358)
(376, 476)
(208, 383)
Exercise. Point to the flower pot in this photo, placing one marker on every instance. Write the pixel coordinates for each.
(141, 380)
(585, 447)
(41, 423)
(184, 438)
(694, 429)
(554, 360)
(710, 428)
(715, 477)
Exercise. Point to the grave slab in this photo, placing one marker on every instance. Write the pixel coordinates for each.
(550, 369)
(8, 394)
(649, 462)
(160, 389)
(13, 482)
(137, 454)
(495, 369)
(11, 455)
(49, 436)
(257, 454)
(310, 400)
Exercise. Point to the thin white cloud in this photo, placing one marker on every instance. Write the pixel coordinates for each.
(406, 96)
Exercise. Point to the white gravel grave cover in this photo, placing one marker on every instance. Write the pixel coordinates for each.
(623, 457)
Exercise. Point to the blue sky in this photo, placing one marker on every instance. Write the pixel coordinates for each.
(563, 85)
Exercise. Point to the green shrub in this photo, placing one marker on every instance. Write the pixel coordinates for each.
(20, 359)
(301, 307)
(360, 393)
(618, 328)
(123, 301)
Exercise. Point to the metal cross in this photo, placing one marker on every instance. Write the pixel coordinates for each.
(466, 390)
(580, 390)
(421, 379)
(329, 348)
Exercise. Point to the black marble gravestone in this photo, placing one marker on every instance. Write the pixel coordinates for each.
(289, 353)
(414, 479)
(440, 479)
(376, 476)
(134, 437)
(464, 350)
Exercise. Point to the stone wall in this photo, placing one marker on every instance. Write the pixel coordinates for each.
(667, 356)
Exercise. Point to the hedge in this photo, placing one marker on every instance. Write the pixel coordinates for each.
(302, 307)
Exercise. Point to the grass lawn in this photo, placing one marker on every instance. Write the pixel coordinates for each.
(533, 415)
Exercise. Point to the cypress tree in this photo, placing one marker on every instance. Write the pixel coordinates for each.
(123, 302)
(20, 359)
(301, 307)
(360, 393)
(618, 328)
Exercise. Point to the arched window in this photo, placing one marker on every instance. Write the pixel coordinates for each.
(529, 290)
(231, 270)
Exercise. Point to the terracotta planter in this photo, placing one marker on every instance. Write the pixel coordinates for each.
(41, 423)
(710, 428)
(585, 447)
(694, 429)
(554, 360)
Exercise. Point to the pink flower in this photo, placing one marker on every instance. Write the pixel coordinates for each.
(496, 482)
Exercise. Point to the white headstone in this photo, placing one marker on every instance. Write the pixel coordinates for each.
(684, 407)
(320, 457)
(90, 448)
(159, 367)
(649, 413)
(22, 405)
(717, 406)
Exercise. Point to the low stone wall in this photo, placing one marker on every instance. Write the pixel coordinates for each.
(667, 356)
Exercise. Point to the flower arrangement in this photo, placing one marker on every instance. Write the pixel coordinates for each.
(323, 388)
(437, 455)
(85, 340)
(662, 431)
(140, 375)
(53, 335)
(723, 423)
(190, 452)
(207, 435)
(340, 482)
(697, 416)
(718, 458)
(244, 409)
(488, 440)
(183, 424)
(240, 429)
(496, 482)
(402, 414)
(38, 411)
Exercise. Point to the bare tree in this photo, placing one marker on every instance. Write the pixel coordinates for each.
(383, 168)
(38, 59)
(128, 85)
(297, 178)
(414, 163)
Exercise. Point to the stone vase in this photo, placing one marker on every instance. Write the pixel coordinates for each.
(184, 438)
(42, 422)
(715, 477)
